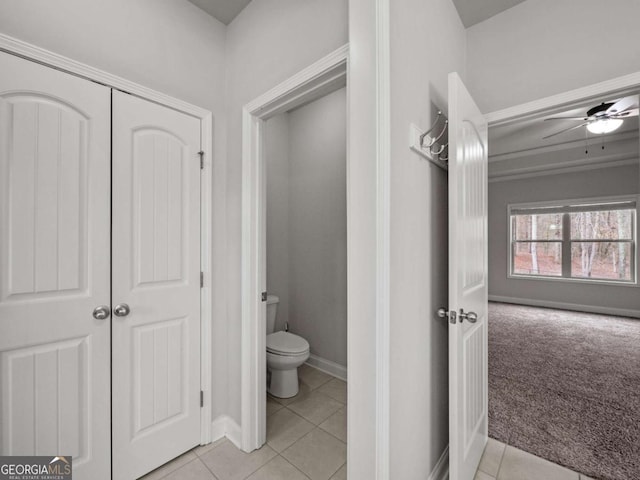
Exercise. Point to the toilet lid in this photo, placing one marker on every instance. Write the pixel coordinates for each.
(285, 342)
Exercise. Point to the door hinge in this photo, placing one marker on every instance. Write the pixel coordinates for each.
(201, 399)
(201, 153)
(264, 296)
(201, 279)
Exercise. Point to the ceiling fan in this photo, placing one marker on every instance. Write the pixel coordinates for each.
(603, 118)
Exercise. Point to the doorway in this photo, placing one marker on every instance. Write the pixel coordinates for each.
(325, 76)
(567, 294)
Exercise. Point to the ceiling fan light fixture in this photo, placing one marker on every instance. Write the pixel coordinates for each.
(604, 125)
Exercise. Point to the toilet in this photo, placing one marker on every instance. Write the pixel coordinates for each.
(285, 353)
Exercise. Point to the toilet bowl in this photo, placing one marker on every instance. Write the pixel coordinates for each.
(285, 353)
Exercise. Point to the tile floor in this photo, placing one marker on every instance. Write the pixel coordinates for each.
(306, 440)
(503, 462)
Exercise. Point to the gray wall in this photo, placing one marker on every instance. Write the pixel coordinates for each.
(307, 223)
(278, 193)
(608, 181)
(543, 47)
(428, 41)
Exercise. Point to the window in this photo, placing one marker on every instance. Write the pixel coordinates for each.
(585, 240)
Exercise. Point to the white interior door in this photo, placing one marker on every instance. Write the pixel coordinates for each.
(54, 262)
(468, 380)
(156, 274)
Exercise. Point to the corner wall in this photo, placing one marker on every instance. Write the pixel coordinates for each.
(428, 42)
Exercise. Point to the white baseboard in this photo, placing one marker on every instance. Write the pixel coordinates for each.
(441, 470)
(327, 366)
(225, 426)
(622, 312)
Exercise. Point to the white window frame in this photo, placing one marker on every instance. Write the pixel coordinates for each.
(566, 242)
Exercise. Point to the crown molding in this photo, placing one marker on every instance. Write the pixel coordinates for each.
(629, 136)
(573, 166)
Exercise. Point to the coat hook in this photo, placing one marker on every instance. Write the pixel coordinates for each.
(435, 123)
(435, 140)
(442, 158)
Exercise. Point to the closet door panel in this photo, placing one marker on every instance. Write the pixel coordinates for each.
(54, 266)
(156, 273)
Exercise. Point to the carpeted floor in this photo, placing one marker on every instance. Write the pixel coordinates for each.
(566, 386)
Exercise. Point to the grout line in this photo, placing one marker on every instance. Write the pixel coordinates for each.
(504, 451)
(303, 474)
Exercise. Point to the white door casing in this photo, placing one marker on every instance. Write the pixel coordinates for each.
(54, 258)
(468, 269)
(156, 272)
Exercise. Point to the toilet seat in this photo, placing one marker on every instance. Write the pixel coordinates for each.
(285, 343)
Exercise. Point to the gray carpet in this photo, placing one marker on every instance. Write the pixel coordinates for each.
(566, 386)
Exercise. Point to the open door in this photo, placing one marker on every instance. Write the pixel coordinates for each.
(468, 380)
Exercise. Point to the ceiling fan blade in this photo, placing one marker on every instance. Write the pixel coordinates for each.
(623, 104)
(630, 112)
(566, 118)
(565, 130)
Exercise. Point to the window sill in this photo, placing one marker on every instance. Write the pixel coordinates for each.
(611, 283)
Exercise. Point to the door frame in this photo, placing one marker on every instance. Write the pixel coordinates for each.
(626, 84)
(47, 58)
(323, 77)
(553, 104)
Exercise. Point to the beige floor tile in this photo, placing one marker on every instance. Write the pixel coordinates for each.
(336, 424)
(492, 456)
(273, 405)
(202, 449)
(315, 407)
(278, 469)
(318, 455)
(227, 462)
(341, 474)
(520, 465)
(584, 477)
(312, 376)
(285, 427)
(336, 389)
(194, 470)
(171, 466)
(302, 392)
(483, 476)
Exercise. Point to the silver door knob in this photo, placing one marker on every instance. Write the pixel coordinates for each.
(471, 316)
(101, 312)
(121, 310)
(444, 313)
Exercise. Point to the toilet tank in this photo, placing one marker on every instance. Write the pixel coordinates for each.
(272, 310)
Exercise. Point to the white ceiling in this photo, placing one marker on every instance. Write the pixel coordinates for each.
(223, 10)
(470, 11)
(527, 134)
(517, 149)
(476, 11)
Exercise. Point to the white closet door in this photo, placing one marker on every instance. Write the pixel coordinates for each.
(54, 266)
(156, 273)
